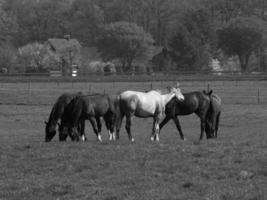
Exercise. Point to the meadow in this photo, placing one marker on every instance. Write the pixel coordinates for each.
(231, 167)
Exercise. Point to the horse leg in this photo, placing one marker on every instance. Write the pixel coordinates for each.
(153, 136)
(99, 126)
(82, 127)
(178, 126)
(119, 119)
(109, 126)
(74, 133)
(202, 126)
(62, 136)
(165, 121)
(156, 133)
(94, 125)
(217, 124)
(128, 127)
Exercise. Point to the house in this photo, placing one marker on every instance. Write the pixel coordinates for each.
(162, 59)
(68, 50)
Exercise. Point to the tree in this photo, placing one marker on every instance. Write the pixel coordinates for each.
(242, 37)
(7, 57)
(193, 41)
(85, 19)
(37, 20)
(8, 25)
(124, 41)
(35, 57)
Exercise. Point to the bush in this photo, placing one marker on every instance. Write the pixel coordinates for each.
(36, 57)
(8, 58)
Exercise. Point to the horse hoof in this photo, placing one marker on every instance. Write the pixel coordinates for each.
(152, 138)
(184, 139)
(132, 140)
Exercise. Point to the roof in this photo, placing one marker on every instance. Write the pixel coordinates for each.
(60, 45)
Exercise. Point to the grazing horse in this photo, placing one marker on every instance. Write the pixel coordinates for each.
(194, 102)
(213, 115)
(91, 107)
(56, 114)
(143, 105)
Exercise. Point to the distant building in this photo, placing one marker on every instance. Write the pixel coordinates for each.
(68, 50)
(162, 60)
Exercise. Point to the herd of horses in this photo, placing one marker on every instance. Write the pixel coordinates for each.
(72, 109)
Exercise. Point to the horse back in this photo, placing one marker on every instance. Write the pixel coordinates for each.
(97, 105)
(194, 102)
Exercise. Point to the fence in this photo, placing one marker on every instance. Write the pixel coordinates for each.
(42, 90)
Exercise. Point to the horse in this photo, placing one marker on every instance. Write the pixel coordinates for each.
(213, 115)
(194, 102)
(143, 105)
(91, 107)
(56, 114)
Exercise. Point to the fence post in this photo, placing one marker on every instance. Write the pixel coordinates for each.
(29, 90)
(151, 86)
(258, 96)
(208, 87)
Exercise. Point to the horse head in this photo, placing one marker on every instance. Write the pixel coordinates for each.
(50, 131)
(177, 91)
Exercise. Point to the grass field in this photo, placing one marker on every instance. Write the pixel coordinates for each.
(232, 167)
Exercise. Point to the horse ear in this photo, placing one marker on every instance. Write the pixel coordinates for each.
(210, 92)
(177, 85)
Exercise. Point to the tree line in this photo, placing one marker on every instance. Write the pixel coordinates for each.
(193, 31)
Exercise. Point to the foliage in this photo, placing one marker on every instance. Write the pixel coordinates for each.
(85, 19)
(193, 40)
(26, 21)
(35, 58)
(242, 37)
(124, 41)
(7, 57)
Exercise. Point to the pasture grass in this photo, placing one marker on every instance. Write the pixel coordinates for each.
(231, 167)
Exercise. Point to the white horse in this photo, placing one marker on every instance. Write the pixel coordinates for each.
(143, 105)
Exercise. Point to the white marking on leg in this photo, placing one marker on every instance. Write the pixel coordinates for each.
(157, 131)
(114, 136)
(83, 138)
(110, 135)
(99, 137)
(132, 140)
(152, 138)
(157, 137)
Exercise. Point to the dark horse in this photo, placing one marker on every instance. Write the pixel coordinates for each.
(213, 115)
(56, 114)
(91, 107)
(194, 102)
